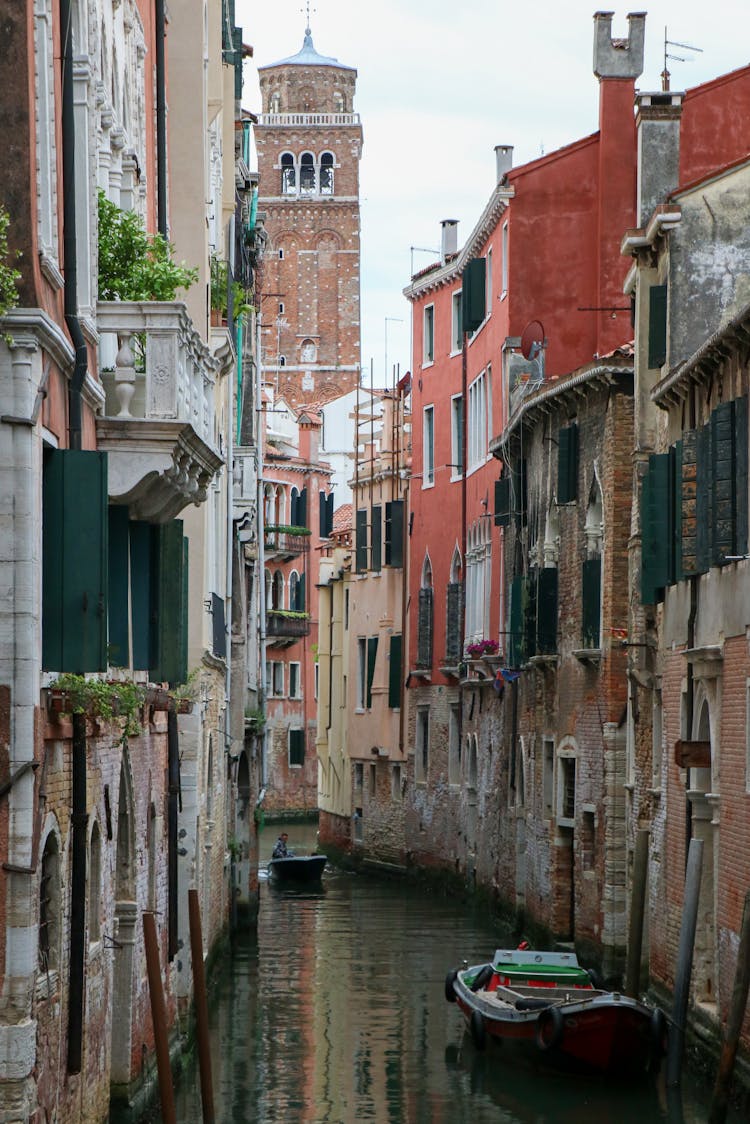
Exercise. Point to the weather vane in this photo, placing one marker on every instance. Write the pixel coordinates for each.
(306, 10)
(677, 58)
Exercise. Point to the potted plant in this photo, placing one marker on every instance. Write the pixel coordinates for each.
(100, 699)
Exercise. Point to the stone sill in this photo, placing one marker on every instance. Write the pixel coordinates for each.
(588, 655)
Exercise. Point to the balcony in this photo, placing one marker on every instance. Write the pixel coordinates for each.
(158, 423)
(284, 543)
(284, 627)
(245, 498)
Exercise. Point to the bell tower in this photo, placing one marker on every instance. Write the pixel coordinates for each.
(309, 142)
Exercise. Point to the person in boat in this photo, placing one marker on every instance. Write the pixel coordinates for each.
(280, 850)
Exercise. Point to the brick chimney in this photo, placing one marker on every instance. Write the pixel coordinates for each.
(448, 238)
(309, 436)
(657, 122)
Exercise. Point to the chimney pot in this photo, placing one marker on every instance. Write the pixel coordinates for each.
(449, 237)
(503, 160)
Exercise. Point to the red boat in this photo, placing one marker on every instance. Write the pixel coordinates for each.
(547, 1004)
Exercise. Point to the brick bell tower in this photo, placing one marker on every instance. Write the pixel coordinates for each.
(309, 142)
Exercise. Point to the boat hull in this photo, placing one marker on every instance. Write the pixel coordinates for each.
(297, 868)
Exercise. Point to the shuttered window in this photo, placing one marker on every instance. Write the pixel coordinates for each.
(74, 561)
(298, 509)
(372, 655)
(657, 325)
(376, 535)
(567, 464)
(502, 502)
(474, 287)
(142, 605)
(655, 531)
(361, 541)
(394, 533)
(170, 591)
(325, 506)
(546, 611)
(296, 747)
(515, 622)
(719, 531)
(219, 626)
(424, 628)
(591, 603)
(454, 625)
(394, 673)
(119, 587)
(529, 615)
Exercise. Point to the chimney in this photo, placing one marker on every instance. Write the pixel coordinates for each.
(658, 124)
(448, 238)
(503, 160)
(309, 436)
(618, 58)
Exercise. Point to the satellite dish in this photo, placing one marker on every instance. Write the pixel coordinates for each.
(532, 340)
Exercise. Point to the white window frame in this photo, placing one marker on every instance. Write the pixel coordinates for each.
(275, 665)
(295, 669)
(504, 262)
(428, 335)
(458, 462)
(456, 314)
(477, 427)
(428, 446)
(361, 673)
(564, 758)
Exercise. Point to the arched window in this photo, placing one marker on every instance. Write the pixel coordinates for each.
(274, 105)
(288, 178)
(307, 174)
(326, 173)
(472, 745)
(277, 590)
(282, 360)
(454, 627)
(425, 619)
(49, 906)
(297, 592)
(95, 877)
(308, 351)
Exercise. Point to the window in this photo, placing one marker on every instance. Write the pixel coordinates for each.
(488, 282)
(360, 549)
(95, 890)
(425, 618)
(376, 535)
(394, 672)
(317, 682)
(457, 435)
(296, 748)
(282, 360)
(657, 325)
(454, 747)
(281, 255)
(358, 832)
(456, 314)
(295, 687)
(49, 906)
(422, 751)
(373, 780)
(281, 308)
(361, 671)
(548, 771)
(277, 678)
(326, 173)
(478, 580)
(297, 592)
(277, 590)
(307, 174)
(396, 782)
(472, 745)
(359, 776)
(428, 335)
(394, 533)
(477, 436)
(504, 263)
(566, 791)
(346, 610)
(288, 179)
(372, 654)
(567, 464)
(428, 467)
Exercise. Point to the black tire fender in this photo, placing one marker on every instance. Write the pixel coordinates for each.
(483, 976)
(450, 979)
(478, 1032)
(549, 1029)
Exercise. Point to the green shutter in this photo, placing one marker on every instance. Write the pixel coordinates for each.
(657, 326)
(546, 611)
(529, 615)
(323, 515)
(722, 482)
(361, 541)
(141, 564)
(171, 605)
(394, 673)
(689, 521)
(296, 747)
(703, 499)
(591, 601)
(74, 561)
(119, 545)
(567, 464)
(502, 502)
(655, 536)
(301, 593)
(376, 535)
(182, 669)
(424, 628)
(675, 513)
(302, 508)
(394, 533)
(515, 623)
(740, 475)
(454, 631)
(372, 652)
(474, 292)
(218, 624)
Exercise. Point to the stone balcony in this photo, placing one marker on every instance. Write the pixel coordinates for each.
(158, 425)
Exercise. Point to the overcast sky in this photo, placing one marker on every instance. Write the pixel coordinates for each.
(440, 83)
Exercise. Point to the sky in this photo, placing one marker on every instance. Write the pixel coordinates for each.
(440, 83)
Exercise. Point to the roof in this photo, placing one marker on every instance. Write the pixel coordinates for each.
(307, 56)
(343, 517)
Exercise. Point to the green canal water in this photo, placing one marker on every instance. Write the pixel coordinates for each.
(334, 1013)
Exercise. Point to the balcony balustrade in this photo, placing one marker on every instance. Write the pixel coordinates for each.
(158, 424)
(283, 543)
(283, 627)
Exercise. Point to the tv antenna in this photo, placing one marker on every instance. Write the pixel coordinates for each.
(665, 75)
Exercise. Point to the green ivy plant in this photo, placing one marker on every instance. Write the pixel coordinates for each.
(289, 614)
(285, 529)
(256, 719)
(9, 275)
(133, 264)
(100, 698)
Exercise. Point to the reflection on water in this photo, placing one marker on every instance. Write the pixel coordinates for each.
(336, 1014)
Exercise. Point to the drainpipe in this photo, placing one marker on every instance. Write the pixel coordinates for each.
(76, 989)
(173, 782)
(260, 523)
(689, 696)
(161, 123)
(69, 230)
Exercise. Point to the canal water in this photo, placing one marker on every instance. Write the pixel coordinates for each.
(335, 1013)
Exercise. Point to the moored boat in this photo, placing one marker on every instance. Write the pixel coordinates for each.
(297, 868)
(546, 1003)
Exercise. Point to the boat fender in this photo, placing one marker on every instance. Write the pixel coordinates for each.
(549, 1029)
(657, 1037)
(531, 1004)
(450, 979)
(596, 980)
(483, 976)
(478, 1033)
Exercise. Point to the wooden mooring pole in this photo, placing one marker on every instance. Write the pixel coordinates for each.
(720, 1102)
(201, 1007)
(684, 961)
(159, 1018)
(637, 910)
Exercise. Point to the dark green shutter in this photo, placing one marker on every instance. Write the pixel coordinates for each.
(722, 482)
(293, 505)
(394, 673)
(529, 615)
(119, 549)
(296, 747)
(675, 513)
(219, 626)
(301, 593)
(740, 475)
(323, 515)
(502, 501)
(376, 535)
(372, 652)
(591, 603)
(655, 533)
(361, 541)
(302, 509)
(703, 499)
(454, 631)
(74, 561)
(171, 603)
(567, 464)
(394, 533)
(515, 622)
(657, 325)
(424, 628)
(689, 520)
(141, 572)
(546, 611)
(181, 672)
(474, 293)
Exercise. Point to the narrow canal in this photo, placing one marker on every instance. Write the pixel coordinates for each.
(335, 1013)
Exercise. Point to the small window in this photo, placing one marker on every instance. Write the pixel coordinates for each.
(359, 776)
(281, 308)
(456, 316)
(358, 833)
(295, 688)
(282, 360)
(373, 780)
(396, 782)
(288, 179)
(296, 748)
(281, 255)
(548, 771)
(422, 749)
(428, 452)
(504, 263)
(566, 791)
(454, 747)
(277, 681)
(428, 335)
(326, 173)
